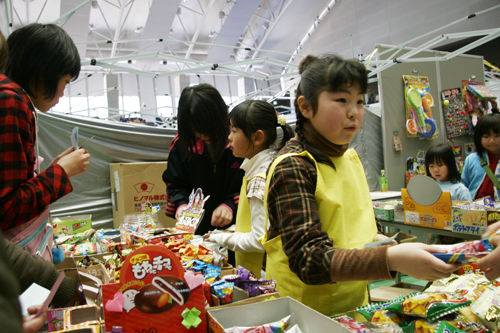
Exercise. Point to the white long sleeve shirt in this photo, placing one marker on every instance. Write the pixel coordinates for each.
(249, 241)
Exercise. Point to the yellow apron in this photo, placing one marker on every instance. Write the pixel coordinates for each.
(250, 260)
(344, 205)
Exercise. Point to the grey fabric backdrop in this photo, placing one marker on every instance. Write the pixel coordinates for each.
(115, 142)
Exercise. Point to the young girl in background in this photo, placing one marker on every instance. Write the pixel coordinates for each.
(487, 142)
(200, 157)
(319, 203)
(253, 131)
(441, 165)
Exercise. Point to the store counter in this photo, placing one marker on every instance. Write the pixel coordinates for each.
(385, 195)
(400, 225)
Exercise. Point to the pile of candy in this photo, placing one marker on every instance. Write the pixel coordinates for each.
(466, 303)
(222, 287)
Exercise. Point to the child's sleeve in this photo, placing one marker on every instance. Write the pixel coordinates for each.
(248, 241)
(462, 193)
(176, 178)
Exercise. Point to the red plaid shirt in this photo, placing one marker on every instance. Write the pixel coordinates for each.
(22, 195)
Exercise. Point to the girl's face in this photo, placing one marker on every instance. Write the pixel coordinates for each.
(40, 100)
(240, 144)
(491, 142)
(339, 115)
(439, 170)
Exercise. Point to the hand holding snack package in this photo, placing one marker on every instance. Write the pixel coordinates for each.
(491, 262)
(465, 252)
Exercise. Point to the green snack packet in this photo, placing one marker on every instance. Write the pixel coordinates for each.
(431, 306)
(423, 325)
(375, 310)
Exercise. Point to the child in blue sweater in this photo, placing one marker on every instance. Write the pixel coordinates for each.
(441, 165)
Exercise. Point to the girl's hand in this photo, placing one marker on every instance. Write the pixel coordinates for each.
(206, 237)
(491, 263)
(75, 162)
(31, 324)
(416, 260)
(61, 155)
(179, 211)
(222, 216)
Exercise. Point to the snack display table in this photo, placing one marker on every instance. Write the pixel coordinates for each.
(396, 224)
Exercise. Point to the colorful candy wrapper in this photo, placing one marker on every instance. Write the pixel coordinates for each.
(373, 310)
(268, 286)
(487, 308)
(465, 252)
(245, 274)
(465, 323)
(352, 325)
(425, 326)
(276, 327)
(223, 290)
(431, 306)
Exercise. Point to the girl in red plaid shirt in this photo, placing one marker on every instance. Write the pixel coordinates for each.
(42, 61)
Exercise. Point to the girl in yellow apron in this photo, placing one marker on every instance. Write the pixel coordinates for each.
(253, 131)
(319, 205)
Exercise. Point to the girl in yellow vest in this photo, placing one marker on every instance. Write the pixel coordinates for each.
(319, 205)
(253, 131)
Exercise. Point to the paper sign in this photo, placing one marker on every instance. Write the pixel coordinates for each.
(74, 137)
(191, 217)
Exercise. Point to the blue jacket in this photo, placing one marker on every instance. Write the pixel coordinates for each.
(473, 174)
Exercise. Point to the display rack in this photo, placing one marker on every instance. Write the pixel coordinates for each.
(398, 224)
(442, 75)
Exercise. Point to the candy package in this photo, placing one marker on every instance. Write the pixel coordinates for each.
(431, 306)
(487, 308)
(426, 326)
(276, 327)
(465, 252)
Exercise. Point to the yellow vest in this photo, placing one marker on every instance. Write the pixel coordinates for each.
(250, 260)
(345, 209)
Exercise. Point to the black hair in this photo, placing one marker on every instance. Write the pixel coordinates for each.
(202, 109)
(443, 153)
(252, 115)
(486, 124)
(329, 73)
(41, 55)
(4, 51)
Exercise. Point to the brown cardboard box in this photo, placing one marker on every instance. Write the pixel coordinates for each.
(135, 183)
(382, 294)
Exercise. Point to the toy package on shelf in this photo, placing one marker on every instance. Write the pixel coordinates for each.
(415, 166)
(475, 96)
(420, 122)
(455, 117)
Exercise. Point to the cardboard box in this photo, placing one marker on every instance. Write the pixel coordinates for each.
(403, 237)
(75, 319)
(436, 216)
(135, 183)
(70, 225)
(383, 294)
(468, 221)
(249, 315)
